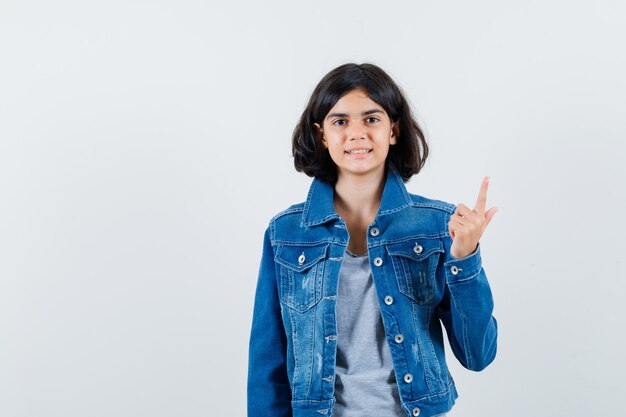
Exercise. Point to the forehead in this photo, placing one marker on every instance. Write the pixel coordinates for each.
(355, 100)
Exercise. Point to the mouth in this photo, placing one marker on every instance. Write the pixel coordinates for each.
(358, 151)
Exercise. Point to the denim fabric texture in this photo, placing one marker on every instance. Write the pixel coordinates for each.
(292, 352)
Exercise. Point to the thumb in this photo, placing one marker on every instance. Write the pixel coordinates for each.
(489, 215)
(450, 231)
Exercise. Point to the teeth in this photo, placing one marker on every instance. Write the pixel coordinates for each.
(360, 151)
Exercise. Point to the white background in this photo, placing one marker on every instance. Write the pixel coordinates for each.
(144, 147)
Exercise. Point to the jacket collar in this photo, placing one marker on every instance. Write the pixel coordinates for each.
(319, 206)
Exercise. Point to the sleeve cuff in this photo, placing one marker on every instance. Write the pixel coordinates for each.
(462, 269)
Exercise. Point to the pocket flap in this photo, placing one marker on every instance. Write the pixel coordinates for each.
(300, 258)
(417, 249)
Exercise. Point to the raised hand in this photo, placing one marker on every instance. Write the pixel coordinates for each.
(466, 226)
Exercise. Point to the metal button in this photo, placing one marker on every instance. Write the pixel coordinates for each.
(378, 261)
(416, 411)
(454, 270)
(418, 249)
(389, 300)
(301, 258)
(399, 338)
(374, 231)
(408, 378)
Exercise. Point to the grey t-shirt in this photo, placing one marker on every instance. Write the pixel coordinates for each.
(365, 382)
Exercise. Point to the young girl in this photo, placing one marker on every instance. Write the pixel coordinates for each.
(354, 282)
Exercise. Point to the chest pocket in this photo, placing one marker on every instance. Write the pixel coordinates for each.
(415, 265)
(301, 275)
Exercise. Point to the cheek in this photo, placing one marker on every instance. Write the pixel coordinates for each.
(333, 143)
(336, 152)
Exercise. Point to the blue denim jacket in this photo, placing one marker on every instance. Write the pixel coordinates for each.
(293, 339)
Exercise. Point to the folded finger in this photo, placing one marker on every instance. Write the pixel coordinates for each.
(458, 219)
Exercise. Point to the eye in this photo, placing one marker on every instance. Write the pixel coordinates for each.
(339, 122)
(372, 119)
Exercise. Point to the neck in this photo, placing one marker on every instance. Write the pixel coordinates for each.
(358, 197)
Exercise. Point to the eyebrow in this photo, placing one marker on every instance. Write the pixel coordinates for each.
(365, 113)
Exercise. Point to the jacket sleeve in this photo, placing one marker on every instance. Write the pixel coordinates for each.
(466, 310)
(269, 393)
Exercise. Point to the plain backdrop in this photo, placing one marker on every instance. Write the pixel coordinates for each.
(144, 146)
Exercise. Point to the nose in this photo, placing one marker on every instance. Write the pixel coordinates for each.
(357, 131)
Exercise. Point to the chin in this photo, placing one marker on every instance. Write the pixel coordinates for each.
(366, 170)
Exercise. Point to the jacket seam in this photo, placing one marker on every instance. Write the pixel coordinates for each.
(468, 354)
(437, 395)
(439, 235)
(312, 243)
(457, 281)
(287, 211)
(464, 333)
(447, 207)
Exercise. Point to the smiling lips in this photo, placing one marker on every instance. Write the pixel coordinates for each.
(359, 151)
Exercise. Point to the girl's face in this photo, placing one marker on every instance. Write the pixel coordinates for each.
(357, 133)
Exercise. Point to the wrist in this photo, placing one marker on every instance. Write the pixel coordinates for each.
(463, 254)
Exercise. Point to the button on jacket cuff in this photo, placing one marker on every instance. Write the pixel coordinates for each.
(462, 269)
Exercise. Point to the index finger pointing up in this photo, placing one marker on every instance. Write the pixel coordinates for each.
(481, 201)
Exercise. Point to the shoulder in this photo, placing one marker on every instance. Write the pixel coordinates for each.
(427, 216)
(293, 211)
(421, 202)
(286, 220)
(422, 217)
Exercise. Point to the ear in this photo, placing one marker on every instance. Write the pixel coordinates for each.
(395, 131)
(320, 134)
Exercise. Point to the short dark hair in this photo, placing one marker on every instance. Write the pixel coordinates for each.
(311, 157)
